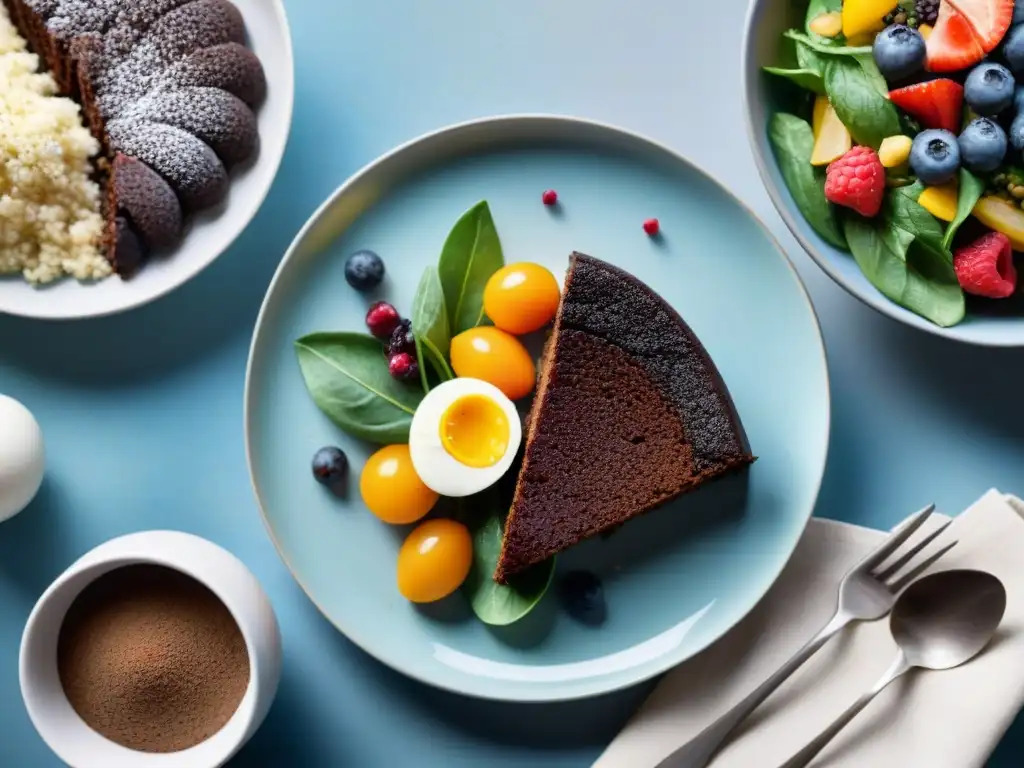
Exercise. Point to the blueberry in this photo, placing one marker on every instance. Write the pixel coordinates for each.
(1013, 49)
(1018, 13)
(1018, 99)
(364, 270)
(1017, 132)
(583, 597)
(899, 51)
(988, 90)
(982, 145)
(330, 468)
(935, 156)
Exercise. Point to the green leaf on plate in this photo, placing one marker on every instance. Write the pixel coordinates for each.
(809, 79)
(826, 45)
(471, 254)
(501, 604)
(970, 192)
(900, 209)
(430, 325)
(853, 88)
(347, 376)
(793, 142)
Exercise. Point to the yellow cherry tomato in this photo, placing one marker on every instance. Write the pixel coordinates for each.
(521, 298)
(434, 560)
(494, 356)
(392, 490)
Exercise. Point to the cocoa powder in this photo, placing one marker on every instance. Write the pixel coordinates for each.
(152, 659)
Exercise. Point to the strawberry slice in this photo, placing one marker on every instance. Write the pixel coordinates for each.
(936, 103)
(965, 31)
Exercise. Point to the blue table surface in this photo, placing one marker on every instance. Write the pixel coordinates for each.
(143, 412)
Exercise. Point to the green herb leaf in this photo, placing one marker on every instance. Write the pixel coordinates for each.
(501, 604)
(817, 7)
(430, 323)
(793, 142)
(471, 254)
(347, 376)
(808, 79)
(909, 274)
(826, 45)
(857, 100)
(970, 192)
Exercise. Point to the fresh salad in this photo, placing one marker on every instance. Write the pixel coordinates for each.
(902, 140)
(436, 394)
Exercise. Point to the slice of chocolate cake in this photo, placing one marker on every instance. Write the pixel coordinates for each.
(630, 413)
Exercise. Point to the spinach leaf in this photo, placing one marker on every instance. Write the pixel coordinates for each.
(808, 79)
(808, 58)
(501, 604)
(430, 324)
(471, 254)
(855, 96)
(970, 192)
(902, 211)
(347, 376)
(909, 274)
(817, 7)
(793, 142)
(826, 45)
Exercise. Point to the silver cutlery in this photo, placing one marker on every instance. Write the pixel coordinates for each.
(940, 622)
(866, 593)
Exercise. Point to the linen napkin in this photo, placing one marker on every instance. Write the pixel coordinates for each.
(949, 719)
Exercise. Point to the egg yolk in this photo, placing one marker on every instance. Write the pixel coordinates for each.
(474, 430)
(392, 490)
(499, 358)
(434, 560)
(521, 298)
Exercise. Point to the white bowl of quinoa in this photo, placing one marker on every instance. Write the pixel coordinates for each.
(56, 261)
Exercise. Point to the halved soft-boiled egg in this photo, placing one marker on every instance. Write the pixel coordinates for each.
(464, 437)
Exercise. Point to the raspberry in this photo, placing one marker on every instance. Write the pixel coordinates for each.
(652, 227)
(403, 366)
(985, 267)
(382, 319)
(550, 197)
(856, 180)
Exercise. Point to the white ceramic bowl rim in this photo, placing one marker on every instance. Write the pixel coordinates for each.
(52, 715)
(534, 120)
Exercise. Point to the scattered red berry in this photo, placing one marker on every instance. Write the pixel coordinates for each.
(936, 103)
(856, 180)
(652, 227)
(382, 319)
(985, 267)
(403, 366)
(550, 197)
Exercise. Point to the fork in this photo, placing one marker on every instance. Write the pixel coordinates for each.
(866, 593)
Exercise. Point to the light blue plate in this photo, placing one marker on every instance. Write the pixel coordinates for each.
(675, 580)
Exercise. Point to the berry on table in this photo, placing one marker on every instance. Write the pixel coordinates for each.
(856, 180)
(364, 270)
(936, 103)
(583, 597)
(982, 145)
(330, 467)
(652, 227)
(899, 52)
(550, 197)
(985, 267)
(382, 319)
(935, 156)
(403, 366)
(402, 340)
(988, 89)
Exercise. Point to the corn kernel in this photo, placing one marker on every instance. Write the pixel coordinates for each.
(827, 24)
(894, 151)
(940, 201)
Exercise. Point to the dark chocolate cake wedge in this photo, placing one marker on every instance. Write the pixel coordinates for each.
(630, 413)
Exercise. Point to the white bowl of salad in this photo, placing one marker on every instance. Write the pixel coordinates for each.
(889, 135)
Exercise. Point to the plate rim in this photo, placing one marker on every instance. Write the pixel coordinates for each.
(248, 215)
(497, 693)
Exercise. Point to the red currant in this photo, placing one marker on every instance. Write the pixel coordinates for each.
(403, 366)
(550, 197)
(652, 227)
(382, 319)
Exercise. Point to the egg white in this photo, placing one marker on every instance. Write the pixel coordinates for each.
(438, 469)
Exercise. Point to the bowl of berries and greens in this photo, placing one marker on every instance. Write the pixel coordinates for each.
(889, 136)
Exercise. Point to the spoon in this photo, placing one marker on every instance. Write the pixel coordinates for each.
(939, 622)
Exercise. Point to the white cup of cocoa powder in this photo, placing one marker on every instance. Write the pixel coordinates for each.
(157, 649)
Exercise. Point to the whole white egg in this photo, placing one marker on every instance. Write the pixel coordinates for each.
(464, 437)
(22, 457)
